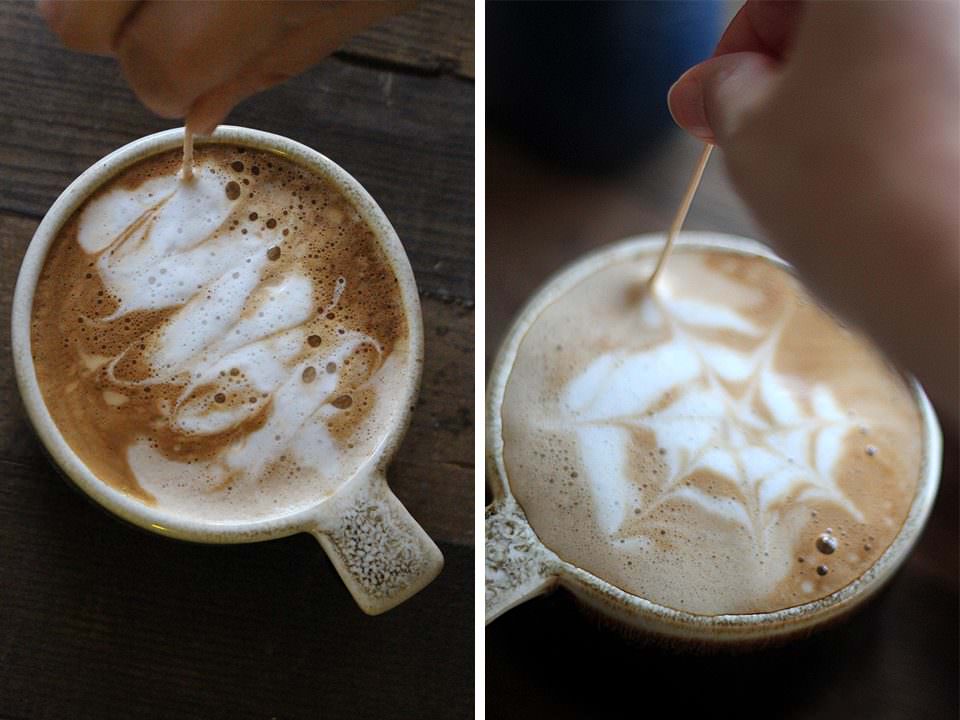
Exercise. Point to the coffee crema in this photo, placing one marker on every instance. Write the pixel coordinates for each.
(228, 347)
(722, 446)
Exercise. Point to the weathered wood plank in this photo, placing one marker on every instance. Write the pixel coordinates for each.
(100, 621)
(407, 138)
(436, 36)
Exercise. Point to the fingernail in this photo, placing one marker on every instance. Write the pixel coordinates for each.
(685, 100)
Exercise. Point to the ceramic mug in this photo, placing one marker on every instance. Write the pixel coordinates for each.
(379, 550)
(519, 566)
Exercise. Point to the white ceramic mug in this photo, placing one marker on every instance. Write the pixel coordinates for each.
(519, 566)
(379, 550)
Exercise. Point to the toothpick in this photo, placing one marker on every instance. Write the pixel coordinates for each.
(187, 171)
(682, 212)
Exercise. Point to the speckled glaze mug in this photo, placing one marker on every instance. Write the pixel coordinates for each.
(519, 566)
(381, 553)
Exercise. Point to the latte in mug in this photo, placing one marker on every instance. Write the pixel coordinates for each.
(718, 446)
(226, 347)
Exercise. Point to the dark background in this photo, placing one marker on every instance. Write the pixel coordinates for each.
(547, 204)
(100, 620)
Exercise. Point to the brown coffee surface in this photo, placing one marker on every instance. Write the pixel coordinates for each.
(722, 446)
(229, 347)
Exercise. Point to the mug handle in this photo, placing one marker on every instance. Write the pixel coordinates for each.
(380, 552)
(518, 566)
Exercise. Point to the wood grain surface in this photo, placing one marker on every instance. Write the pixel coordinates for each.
(436, 36)
(101, 620)
(898, 659)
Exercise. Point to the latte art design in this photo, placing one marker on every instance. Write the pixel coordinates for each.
(714, 410)
(721, 446)
(232, 349)
(235, 333)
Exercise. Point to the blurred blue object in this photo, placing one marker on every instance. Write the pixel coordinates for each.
(583, 85)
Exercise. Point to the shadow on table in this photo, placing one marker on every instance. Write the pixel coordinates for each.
(895, 659)
(101, 620)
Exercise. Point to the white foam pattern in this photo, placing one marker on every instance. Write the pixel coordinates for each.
(170, 245)
(704, 426)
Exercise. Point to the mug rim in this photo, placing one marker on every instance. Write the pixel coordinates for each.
(123, 505)
(661, 619)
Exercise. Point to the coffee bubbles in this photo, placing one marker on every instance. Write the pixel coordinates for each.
(703, 447)
(222, 346)
(827, 544)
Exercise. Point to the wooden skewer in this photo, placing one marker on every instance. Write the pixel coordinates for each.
(187, 172)
(681, 212)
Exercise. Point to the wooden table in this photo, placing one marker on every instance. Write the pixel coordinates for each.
(99, 620)
(898, 659)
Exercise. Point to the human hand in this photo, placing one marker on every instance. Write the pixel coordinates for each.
(839, 127)
(197, 60)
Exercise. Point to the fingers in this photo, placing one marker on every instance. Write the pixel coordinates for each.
(212, 108)
(171, 53)
(316, 31)
(90, 26)
(205, 56)
(713, 99)
(766, 27)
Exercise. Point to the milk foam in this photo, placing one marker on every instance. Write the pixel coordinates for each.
(236, 363)
(705, 427)
(662, 445)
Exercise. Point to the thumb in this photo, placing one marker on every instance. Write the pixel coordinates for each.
(712, 99)
(212, 108)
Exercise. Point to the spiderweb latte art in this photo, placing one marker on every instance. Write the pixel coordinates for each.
(721, 445)
(712, 409)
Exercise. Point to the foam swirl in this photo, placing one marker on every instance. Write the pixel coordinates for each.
(234, 339)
